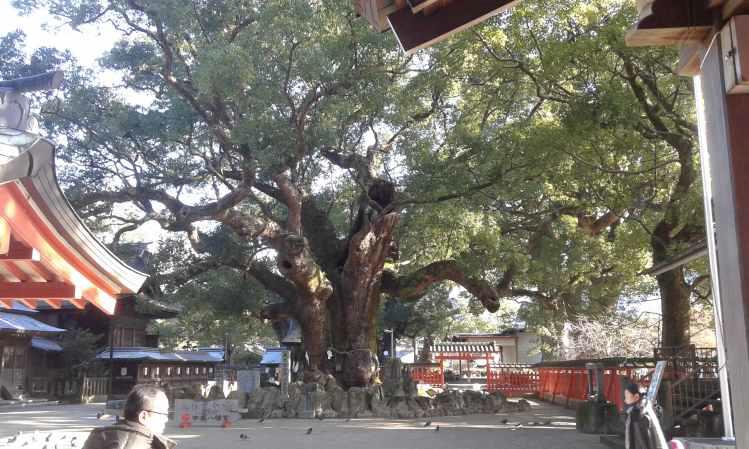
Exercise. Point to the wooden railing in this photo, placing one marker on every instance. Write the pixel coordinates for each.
(513, 380)
(94, 386)
(693, 383)
(426, 373)
(567, 384)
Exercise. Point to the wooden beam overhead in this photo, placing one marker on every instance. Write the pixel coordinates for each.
(54, 303)
(19, 251)
(56, 258)
(416, 31)
(38, 290)
(420, 5)
(5, 303)
(670, 22)
(30, 303)
(4, 236)
(79, 304)
(12, 269)
(735, 7)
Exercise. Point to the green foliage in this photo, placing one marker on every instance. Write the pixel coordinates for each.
(78, 351)
(502, 141)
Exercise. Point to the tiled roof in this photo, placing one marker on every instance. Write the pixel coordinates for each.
(462, 347)
(44, 344)
(272, 356)
(12, 322)
(154, 354)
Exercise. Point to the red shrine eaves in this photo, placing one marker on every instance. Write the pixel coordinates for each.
(47, 254)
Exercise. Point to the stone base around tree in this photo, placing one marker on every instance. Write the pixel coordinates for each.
(330, 400)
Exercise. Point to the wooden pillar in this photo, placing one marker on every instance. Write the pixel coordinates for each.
(725, 133)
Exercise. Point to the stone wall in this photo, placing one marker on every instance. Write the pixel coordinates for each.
(329, 400)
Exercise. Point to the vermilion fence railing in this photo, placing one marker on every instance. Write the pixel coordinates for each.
(426, 373)
(568, 385)
(513, 380)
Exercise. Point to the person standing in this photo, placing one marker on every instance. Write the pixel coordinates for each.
(146, 414)
(637, 426)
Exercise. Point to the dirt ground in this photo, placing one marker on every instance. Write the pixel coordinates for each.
(543, 427)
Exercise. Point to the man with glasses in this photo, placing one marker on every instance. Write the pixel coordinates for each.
(146, 413)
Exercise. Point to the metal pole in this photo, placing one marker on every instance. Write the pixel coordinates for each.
(725, 394)
(111, 357)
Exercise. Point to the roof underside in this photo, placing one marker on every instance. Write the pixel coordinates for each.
(48, 257)
(422, 23)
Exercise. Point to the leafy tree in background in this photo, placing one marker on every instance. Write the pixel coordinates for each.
(533, 158)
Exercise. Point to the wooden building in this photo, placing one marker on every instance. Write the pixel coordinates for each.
(516, 346)
(50, 262)
(29, 354)
(421, 23)
(169, 370)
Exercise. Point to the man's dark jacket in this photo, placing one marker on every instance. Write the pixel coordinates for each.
(127, 435)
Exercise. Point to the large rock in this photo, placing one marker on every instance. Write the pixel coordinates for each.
(271, 402)
(401, 409)
(216, 392)
(240, 397)
(295, 401)
(497, 401)
(338, 399)
(319, 399)
(357, 401)
(473, 401)
(378, 403)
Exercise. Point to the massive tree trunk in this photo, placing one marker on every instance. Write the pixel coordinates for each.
(675, 293)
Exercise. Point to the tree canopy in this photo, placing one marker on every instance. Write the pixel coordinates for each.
(297, 155)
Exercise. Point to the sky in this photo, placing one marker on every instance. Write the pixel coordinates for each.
(42, 30)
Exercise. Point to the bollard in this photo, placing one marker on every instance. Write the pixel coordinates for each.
(185, 421)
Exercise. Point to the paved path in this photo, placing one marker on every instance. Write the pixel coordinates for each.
(455, 432)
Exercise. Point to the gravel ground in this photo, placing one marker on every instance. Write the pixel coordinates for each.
(543, 427)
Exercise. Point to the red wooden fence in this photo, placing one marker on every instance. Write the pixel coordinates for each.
(566, 385)
(512, 380)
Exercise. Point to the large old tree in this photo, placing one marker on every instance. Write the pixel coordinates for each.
(532, 158)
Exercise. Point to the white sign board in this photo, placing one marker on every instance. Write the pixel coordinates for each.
(203, 412)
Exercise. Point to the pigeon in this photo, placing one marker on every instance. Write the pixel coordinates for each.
(25, 443)
(547, 422)
(428, 423)
(348, 419)
(320, 417)
(437, 429)
(309, 431)
(261, 419)
(242, 436)
(72, 440)
(49, 437)
(504, 421)
(98, 415)
(12, 439)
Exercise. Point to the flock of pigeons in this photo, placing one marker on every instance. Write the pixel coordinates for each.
(35, 440)
(428, 423)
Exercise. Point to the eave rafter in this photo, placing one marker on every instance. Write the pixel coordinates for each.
(671, 22)
(45, 259)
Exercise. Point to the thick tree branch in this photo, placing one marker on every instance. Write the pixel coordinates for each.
(416, 284)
